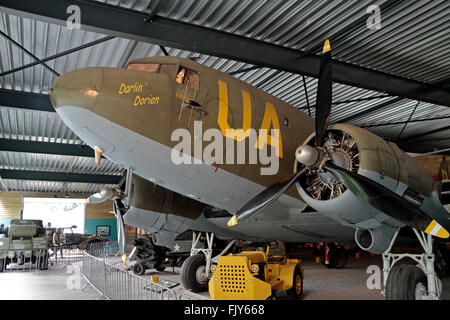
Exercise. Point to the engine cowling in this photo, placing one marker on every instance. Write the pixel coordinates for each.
(360, 151)
(374, 240)
(148, 196)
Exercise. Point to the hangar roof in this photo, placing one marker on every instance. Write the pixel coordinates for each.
(413, 44)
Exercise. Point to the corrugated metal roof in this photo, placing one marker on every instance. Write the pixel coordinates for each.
(43, 40)
(56, 163)
(413, 40)
(51, 186)
(413, 43)
(21, 124)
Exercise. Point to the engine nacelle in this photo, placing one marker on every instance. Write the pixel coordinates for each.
(163, 212)
(374, 240)
(366, 153)
(146, 195)
(361, 151)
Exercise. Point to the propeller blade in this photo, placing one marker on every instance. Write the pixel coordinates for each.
(386, 201)
(264, 198)
(324, 95)
(120, 226)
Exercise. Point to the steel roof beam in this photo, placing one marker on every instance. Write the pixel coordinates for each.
(422, 147)
(422, 134)
(232, 73)
(59, 176)
(350, 101)
(116, 21)
(58, 55)
(402, 122)
(46, 148)
(29, 53)
(25, 100)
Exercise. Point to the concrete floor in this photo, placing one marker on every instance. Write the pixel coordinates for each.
(320, 283)
(56, 283)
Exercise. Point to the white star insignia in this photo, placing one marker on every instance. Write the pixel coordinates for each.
(177, 248)
(1, 243)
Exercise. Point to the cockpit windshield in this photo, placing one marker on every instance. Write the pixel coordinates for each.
(168, 69)
(147, 67)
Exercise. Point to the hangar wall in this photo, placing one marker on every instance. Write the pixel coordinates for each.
(96, 215)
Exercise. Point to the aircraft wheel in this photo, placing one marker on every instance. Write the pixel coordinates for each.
(2, 264)
(297, 285)
(139, 268)
(406, 282)
(193, 276)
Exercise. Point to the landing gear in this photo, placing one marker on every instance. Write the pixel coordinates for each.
(406, 282)
(411, 282)
(195, 271)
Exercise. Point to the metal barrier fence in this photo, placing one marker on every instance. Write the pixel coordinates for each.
(68, 254)
(114, 283)
(40, 259)
(22, 260)
(186, 295)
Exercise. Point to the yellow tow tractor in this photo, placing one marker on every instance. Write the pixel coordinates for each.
(256, 273)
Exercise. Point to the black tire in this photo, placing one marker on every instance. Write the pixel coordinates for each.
(403, 283)
(190, 270)
(139, 268)
(2, 264)
(297, 285)
(392, 282)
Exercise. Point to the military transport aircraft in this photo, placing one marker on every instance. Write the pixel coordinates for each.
(351, 185)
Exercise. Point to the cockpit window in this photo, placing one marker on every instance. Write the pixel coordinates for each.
(147, 67)
(188, 77)
(168, 69)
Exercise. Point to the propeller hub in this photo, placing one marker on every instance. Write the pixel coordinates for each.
(340, 159)
(307, 155)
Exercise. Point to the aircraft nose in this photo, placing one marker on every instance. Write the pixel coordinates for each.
(78, 88)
